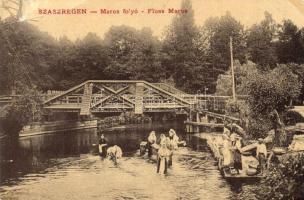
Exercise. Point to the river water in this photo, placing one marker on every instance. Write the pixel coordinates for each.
(60, 166)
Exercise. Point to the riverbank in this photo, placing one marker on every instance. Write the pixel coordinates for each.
(55, 127)
(215, 142)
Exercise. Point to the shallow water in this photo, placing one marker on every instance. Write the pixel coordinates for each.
(61, 167)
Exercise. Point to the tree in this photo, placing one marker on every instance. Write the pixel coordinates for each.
(220, 30)
(299, 71)
(261, 43)
(26, 108)
(268, 95)
(217, 32)
(290, 46)
(59, 71)
(26, 56)
(134, 54)
(241, 72)
(85, 60)
(183, 55)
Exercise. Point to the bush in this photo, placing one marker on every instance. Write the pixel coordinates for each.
(25, 109)
(285, 180)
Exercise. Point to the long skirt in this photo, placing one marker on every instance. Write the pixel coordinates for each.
(102, 150)
(237, 160)
(149, 146)
(170, 159)
(162, 165)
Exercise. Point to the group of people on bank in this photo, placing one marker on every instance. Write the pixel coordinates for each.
(165, 146)
(233, 149)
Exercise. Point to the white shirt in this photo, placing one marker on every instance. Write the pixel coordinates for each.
(152, 138)
(261, 148)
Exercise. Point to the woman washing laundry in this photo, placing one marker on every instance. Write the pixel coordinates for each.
(114, 153)
(162, 139)
(151, 140)
(162, 160)
(173, 142)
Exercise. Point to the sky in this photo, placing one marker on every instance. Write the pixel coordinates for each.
(247, 12)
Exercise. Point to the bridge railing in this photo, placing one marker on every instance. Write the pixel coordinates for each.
(170, 88)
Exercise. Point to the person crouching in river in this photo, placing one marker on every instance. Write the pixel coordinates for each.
(114, 153)
(162, 160)
(102, 146)
(151, 141)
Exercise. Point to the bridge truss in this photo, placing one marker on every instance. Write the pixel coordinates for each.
(104, 96)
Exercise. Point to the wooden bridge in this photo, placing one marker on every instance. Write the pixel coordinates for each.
(103, 96)
(110, 96)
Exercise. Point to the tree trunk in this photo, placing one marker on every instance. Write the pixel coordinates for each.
(279, 130)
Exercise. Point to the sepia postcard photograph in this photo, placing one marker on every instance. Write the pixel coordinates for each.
(151, 99)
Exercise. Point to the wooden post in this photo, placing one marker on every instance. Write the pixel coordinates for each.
(232, 71)
(198, 117)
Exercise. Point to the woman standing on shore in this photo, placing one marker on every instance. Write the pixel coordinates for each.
(226, 152)
(237, 157)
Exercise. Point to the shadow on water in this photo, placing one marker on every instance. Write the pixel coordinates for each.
(65, 156)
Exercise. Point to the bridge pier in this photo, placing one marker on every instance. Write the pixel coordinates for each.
(192, 128)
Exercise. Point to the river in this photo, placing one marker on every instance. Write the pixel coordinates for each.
(60, 166)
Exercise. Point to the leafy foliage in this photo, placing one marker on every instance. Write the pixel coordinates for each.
(182, 51)
(290, 46)
(134, 54)
(261, 43)
(27, 108)
(241, 72)
(266, 91)
(219, 31)
(26, 56)
(285, 180)
(193, 56)
(272, 90)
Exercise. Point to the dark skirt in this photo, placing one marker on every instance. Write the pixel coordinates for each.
(159, 160)
(262, 161)
(149, 147)
(237, 164)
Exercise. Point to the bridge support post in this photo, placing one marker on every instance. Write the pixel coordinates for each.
(139, 107)
(198, 117)
(189, 128)
(196, 128)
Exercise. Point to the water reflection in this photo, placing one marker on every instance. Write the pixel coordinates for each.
(60, 167)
